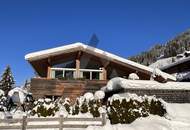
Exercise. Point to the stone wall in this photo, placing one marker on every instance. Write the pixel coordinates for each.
(171, 96)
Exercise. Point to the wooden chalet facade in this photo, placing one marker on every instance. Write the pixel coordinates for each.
(77, 68)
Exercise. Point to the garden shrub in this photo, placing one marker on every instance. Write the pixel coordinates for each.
(94, 106)
(76, 108)
(156, 108)
(84, 107)
(44, 108)
(126, 110)
(67, 105)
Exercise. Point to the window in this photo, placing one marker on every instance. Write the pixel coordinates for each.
(68, 75)
(62, 74)
(67, 64)
(58, 74)
(95, 75)
(86, 75)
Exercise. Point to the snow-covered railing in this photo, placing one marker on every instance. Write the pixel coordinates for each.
(51, 122)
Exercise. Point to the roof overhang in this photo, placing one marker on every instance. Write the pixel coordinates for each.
(91, 50)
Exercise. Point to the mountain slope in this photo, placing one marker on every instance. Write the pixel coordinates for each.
(173, 47)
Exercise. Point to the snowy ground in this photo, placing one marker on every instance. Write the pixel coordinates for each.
(178, 118)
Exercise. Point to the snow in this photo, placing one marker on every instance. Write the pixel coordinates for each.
(161, 63)
(17, 94)
(158, 72)
(131, 96)
(102, 109)
(88, 96)
(2, 93)
(99, 94)
(47, 100)
(118, 83)
(91, 50)
(133, 76)
(183, 75)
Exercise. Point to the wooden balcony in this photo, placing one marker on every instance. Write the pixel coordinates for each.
(43, 87)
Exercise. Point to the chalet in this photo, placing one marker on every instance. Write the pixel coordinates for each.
(180, 68)
(74, 69)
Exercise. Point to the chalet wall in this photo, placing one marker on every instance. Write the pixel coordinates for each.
(66, 88)
(171, 96)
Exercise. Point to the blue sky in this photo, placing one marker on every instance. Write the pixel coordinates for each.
(124, 27)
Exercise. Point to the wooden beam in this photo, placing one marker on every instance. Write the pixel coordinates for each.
(77, 68)
(79, 54)
(49, 72)
(104, 73)
(105, 64)
(49, 61)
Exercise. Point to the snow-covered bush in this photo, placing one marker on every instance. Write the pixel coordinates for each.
(99, 95)
(76, 108)
(67, 105)
(127, 109)
(84, 106)
(3, 100)
(133, 76)
(94, 107)
(44, 107)
(88, 96)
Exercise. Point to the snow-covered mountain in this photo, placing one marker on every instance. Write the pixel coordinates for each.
(170, 49)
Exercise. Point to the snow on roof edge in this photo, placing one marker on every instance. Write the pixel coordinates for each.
(51, 51)
(90, 49)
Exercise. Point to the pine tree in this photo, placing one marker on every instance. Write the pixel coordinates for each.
(7, 80)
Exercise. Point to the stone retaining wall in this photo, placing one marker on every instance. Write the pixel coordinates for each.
(171, 96)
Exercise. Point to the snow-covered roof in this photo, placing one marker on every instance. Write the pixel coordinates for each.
(182, 60)
(118, 83)
(89, 49)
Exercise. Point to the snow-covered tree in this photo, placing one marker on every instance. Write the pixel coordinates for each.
(7, 81)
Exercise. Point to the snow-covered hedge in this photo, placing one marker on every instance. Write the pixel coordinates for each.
(44, 107)
(88, 103)
(127, 109)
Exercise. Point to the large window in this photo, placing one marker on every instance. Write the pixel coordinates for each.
(70, 73)
(62, 74)
(67, 64)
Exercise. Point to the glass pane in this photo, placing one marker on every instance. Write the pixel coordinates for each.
(95, 75)
(58, 74)
(86, 75)
(52, 73)
(69, 74)
(66, 64)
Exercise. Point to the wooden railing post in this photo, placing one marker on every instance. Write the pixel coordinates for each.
(61, 122)
(103, 119)
(24, 122)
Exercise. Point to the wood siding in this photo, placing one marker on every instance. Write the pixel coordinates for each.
(67, 88)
